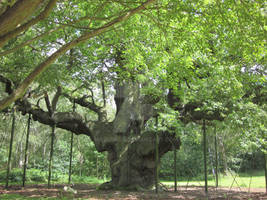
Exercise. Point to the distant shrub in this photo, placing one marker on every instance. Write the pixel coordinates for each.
(16, 175)
(36, 175)
(39, 176)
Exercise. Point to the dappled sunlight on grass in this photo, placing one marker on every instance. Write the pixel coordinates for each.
(242, 180)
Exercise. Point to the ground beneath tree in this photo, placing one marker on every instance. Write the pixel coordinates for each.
(86, 191)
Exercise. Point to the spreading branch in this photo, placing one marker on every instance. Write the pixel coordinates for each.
(70, 121)
(100, 111)
(56, 98)
(12, 15)
(103, 92)
(191, 110)
(62, 26)
(28, 42)
(92, 95)
(16, 14)
(48, 105)
(18, 93)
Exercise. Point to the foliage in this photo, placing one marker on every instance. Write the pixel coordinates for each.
(33, 175)
(236, 152)
(38, 176)
(163, 42)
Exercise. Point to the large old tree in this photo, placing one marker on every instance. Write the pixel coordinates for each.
(125, 136)
(189, 52)
(131, 148)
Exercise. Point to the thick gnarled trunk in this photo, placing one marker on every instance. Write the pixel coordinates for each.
(130, 147)
(131, 150)
(133, 163)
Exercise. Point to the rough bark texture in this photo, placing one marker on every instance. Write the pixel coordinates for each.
(133, 164)
(16, 14)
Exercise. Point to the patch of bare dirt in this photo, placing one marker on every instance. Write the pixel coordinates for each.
(87, 191)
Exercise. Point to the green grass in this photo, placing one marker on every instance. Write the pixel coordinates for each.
(87, 179)
(242, 180)
(35, 176)
(256, 181)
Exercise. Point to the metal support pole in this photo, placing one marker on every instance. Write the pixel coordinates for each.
(71, 150)
(10, 147)
(265, 170)
(51, 156)
(216, 159)
(156, 158)
(175, 168)
(26, 151)
(205, 156)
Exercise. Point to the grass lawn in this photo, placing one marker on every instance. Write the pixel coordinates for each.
(253, 180)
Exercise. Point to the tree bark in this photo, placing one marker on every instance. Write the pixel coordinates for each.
(13, 20)
(141, 162)
(131, 148)
(17, 14)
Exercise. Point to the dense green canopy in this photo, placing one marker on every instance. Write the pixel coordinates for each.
(165, 40)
